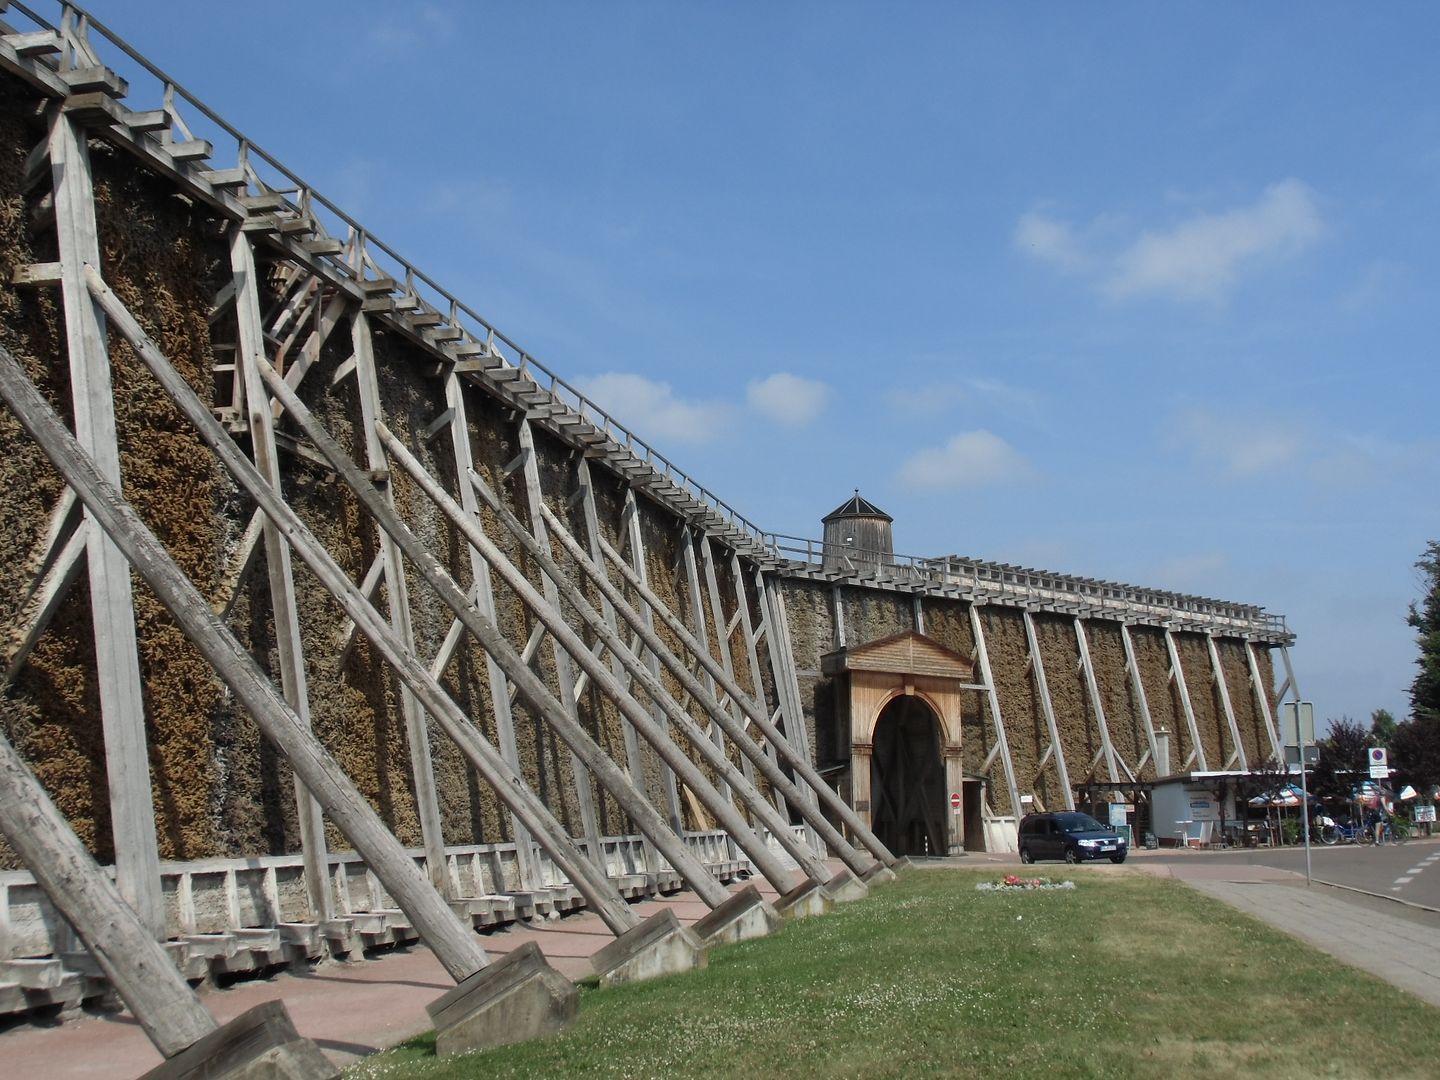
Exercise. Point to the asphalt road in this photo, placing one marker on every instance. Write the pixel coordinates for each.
(1409, 871)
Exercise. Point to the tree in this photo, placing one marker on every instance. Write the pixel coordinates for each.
(1416, 744)
(1382, 727)
(1342, 761)
(1425, 690)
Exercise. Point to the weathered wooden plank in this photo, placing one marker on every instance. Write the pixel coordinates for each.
(127, 764)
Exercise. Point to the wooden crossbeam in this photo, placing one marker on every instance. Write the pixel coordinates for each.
(45, 598)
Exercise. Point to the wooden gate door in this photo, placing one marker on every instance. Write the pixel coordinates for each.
(907, 779)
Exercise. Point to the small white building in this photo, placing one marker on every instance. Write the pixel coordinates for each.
(1193, 807)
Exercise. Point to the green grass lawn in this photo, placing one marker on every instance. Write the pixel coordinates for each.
(1126, 975)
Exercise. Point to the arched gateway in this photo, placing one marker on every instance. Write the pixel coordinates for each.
(900, 702)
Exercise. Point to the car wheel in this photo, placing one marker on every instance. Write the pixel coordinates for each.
(1072, 855)
(1117, 858)
(1025, 856)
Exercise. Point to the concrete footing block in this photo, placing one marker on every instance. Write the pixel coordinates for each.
(259, 1044)
(806, 899)
(518, 997)
(879, 874)
(744, 916)
(902, 863)
(658, 946)
(845, 887)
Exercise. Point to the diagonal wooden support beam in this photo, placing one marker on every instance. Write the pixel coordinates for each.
(751, 637)
(45, 598)
(803, 804)
(1002, 744)
(584, 792)
(1137, 687)
(1177, 673)
(453, 943)
(1042, 688)
(616, 781)
(635, 545)
(397, 591)
(511, 788)
(1262, 699)
(501, 692)
(1238, 754)
(711, 798)
(137, 965)
(585, 492)
(1113, 764)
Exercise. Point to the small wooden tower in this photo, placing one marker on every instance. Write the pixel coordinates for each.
(858, 536)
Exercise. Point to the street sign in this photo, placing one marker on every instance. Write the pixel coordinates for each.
(954, 800)
(1292, 755)
(1379, 763)
(1297, 731)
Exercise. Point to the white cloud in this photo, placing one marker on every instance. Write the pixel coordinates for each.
(1050, 241)
(971, 459)
(789, 399)
(652, 410)
(1238, 444)
(1199, 259)
(975, 393)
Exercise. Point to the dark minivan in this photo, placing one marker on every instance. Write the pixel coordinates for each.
(1071, 836)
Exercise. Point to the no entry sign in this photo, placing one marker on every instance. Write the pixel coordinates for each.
(954, 800)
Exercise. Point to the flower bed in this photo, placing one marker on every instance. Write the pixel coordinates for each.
(1014, 883)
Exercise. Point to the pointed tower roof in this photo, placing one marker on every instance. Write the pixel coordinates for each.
(856, 507)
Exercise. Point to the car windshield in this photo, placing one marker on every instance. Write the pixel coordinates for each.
(1079, 823)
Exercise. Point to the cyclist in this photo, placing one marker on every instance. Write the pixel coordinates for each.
(1379, 823)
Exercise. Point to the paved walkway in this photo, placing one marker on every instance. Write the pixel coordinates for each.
(1374, 934)
(352, 1010)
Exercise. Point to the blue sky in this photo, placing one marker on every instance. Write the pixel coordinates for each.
(1133, 291)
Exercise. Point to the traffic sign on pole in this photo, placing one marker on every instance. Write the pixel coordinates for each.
(1379, 763)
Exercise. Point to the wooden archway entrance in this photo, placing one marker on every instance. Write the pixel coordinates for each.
(908, 801)
(899, 700)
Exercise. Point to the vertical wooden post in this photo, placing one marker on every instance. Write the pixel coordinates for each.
(635, 549)
(1239, 752)
(251, 346)
(564, 672)
(485, 603)
(1177, 673)
(1037, 667)
(982, 657)
(417, 732)
(127, 765)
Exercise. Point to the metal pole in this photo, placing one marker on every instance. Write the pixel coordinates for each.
(1304, 786)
